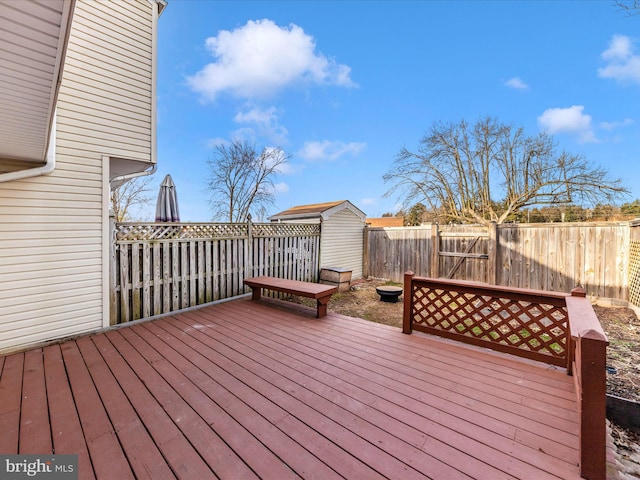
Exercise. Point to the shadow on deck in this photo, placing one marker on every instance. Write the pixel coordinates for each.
(256, 390)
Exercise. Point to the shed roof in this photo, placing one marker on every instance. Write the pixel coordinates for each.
(317, 210)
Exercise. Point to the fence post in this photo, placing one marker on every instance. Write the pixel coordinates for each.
(365, 252)
(492, 250)
(248, 251)
(435, 251)
(408, 301)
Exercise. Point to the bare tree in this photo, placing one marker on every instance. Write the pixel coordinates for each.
(486, 172)
(241, 179)
(632, 7)
(133, 193)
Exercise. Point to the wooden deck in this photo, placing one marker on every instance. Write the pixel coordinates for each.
(254, 390)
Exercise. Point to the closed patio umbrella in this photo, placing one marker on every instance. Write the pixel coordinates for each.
(167, 204)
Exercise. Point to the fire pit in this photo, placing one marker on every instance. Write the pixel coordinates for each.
(389, 293)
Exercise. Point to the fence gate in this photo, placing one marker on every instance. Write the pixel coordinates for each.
(461, 252)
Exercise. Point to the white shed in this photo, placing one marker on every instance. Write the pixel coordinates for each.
(342, 232)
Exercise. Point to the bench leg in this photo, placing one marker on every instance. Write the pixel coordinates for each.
(255, 293)
(322, 307)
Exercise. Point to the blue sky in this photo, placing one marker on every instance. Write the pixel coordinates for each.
(342, 86)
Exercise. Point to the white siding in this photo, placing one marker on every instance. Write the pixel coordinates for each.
(106, 95)
(52, 275)
(341, 244)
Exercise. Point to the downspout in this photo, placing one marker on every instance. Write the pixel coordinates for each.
(47, 168)
(130, 176)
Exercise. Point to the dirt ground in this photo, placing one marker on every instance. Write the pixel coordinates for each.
(623, 353)
(621, 325)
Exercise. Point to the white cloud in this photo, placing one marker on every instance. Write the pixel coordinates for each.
(256, 115)
(620, 48)
(287, 168)
(214, 142)
(623, 64)
(245, 134)
(281, 188)
(261, 58)
(516, 83)
(612, 125)
(265, 124)
(368, 201)
(329, 150)
(569, 120)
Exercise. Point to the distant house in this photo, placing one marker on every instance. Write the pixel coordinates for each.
(385, 222)
(342, 237)
(77, 110)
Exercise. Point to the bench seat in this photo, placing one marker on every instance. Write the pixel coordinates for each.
(321, 293)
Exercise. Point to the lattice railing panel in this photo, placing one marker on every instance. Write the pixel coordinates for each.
(171, 231)
(634, 273)
(535, 327)
(175, 231)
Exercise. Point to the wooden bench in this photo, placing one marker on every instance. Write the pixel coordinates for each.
(322, 293)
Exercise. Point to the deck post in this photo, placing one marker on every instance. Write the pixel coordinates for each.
(589, 366)
(593, 461)
(408, 302)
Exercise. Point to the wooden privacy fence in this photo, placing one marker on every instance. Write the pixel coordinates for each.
(599, 257)
(163, 267)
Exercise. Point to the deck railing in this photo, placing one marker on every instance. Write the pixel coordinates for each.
(553, 328)
(526, 323)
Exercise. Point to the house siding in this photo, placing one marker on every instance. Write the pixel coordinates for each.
(105, 99)
(52, 242)
(341, 244)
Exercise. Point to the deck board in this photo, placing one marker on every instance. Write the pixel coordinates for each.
(260, 390)
(143, 454)
(242, 402)
(66, 431)
(449, 418)
(203, 439)
(34, 413)
(462, 443)
(438, 377)
(106, 454)
(10, 393)
(306, 398)
(170, 365)
(177, 452)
